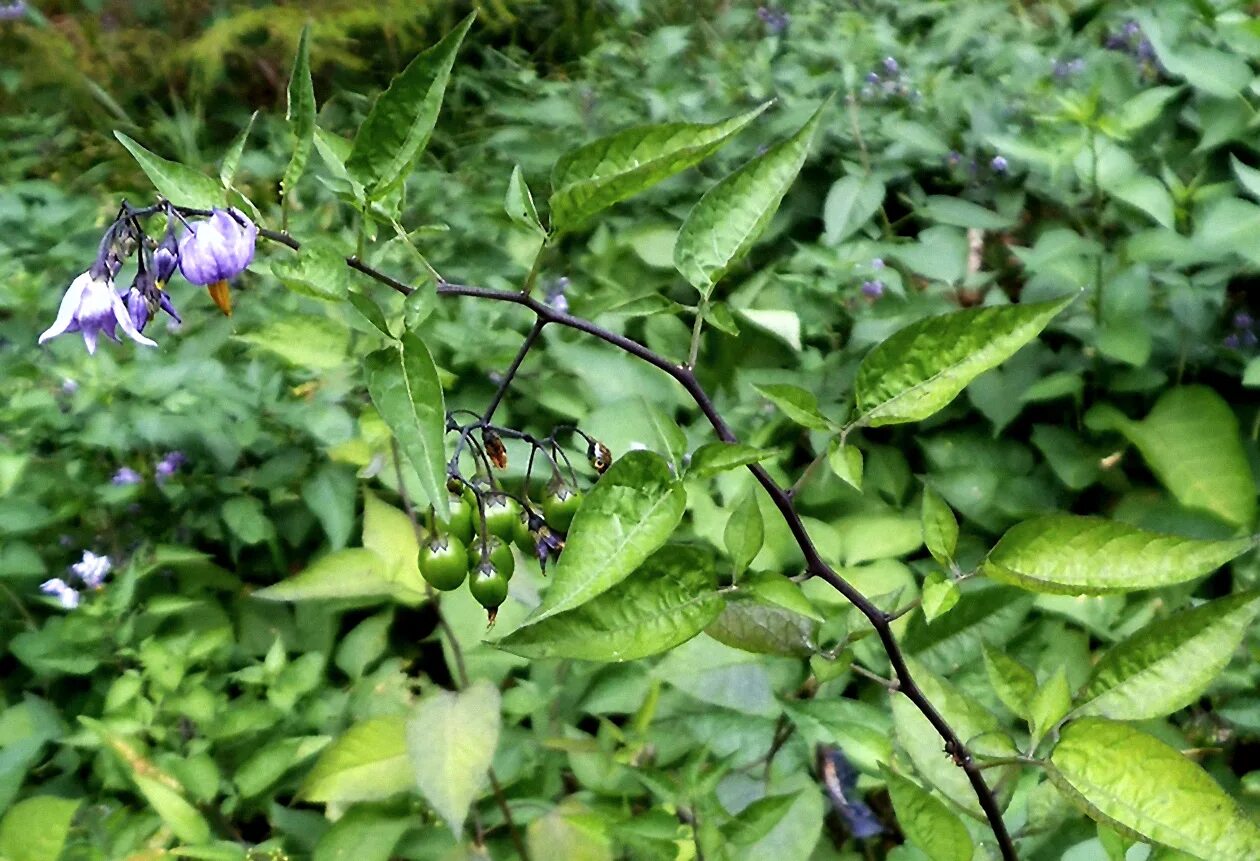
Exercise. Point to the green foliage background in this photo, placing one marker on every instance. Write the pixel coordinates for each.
(177, 708)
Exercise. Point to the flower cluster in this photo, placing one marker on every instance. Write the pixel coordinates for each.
(775, 20)
(208, 253)
(91, 571)
(166, 466)
(1130, 40)
(1244, 334)
(886, 83)
(873, 288)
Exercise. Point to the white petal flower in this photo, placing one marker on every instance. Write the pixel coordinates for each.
(91, 306)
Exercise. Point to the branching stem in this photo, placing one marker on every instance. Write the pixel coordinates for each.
(781, 497)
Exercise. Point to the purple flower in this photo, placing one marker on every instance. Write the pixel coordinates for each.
(144, 298)
(1232, 342)
(891, 66)
(1243, 320)
(873, 289)
(169, 464)
(776, 20)
(91, 306)
(213, 251)
(547, 546)
(126, 476)
(999, 164)
(62, 591)
(877, 264)
(13, 11)
(69, 386)
(165, 259)
(92, 569)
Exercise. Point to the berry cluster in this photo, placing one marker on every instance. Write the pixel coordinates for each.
(485, 519)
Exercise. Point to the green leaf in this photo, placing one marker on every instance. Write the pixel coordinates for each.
(1168, 664)
(1217, 73)
(1141, 787)
(715, 458)
(665, 602)
(940, 595)
(363, 834)
(1248, 177)
(232, 158)
(1015, 684)
(631, 511)
(329, 494)
(404, 386)
(796, 403)
(367, 763)
(924, 366)
(745, 531)
(390, 534)
(319, 269)
(940, 528)
(715, 673)
(751, 623)
(603, 172)
(35, 829)
(983, 615)
(181, 185)
(247, 520)
(846, 462)
(300, 114)
(173, 809)
(1049, 704)
(850, 203)
(451, 739)
(1191, 442)
(398, 126)
(927, 822)
(962, 213)
(1072, 555)
(733, 214)
(306, 341)
(351, 573)
(572, 832)
(519, 203)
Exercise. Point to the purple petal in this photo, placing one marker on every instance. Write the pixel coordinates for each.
(68, 309)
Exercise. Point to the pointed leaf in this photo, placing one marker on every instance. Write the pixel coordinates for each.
(733, 214)
(940, 528)
(927, 822)
(1168, 665)
(181, 185)
(300, 114)
(232, 158)
(1072, 555)
(598, 174)
(745, 531)
(796, 403)
(631, 511)
(367, 763)
(184, 821)
(714, 458)
(519, 203)
(850, 203)
(350, 573)
(1191, 442)
(665, 602)
(1141, 787)
(846, 462)
(1049, 704)
(451, 740)
(404, 385)
(398, 126)
(390, 534)
(35, 829)
(753, 624)
(1015, 684)
(924, 366)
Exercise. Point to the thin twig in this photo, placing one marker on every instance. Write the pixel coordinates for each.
(510, 373)
(814, 563)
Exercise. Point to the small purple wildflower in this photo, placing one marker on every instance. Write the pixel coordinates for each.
(891, 66)
(999, 164)
(1243, 320)
(91, 306)
(126, 476)
(65, 594)
(169, 464)
(877, 264)
(873, 289)
(954, 158)
(69, 386)
(92, 569)
(775, 20)
(13, 11)
(1232, 341)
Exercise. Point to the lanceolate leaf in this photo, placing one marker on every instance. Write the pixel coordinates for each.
(927, 822)
(353, 573)
(1138, 785)
(398, 126)
(923, 367)
(368, 762)
(717, 457)
(665, 602)
(1191, 442)
(1073, 555)
(733, 214)
(1168, 664)
(300, 114)
(598, 174)
(181, 185)
(232, 158)
(451, 740)
(630, 512)
(404, 385)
